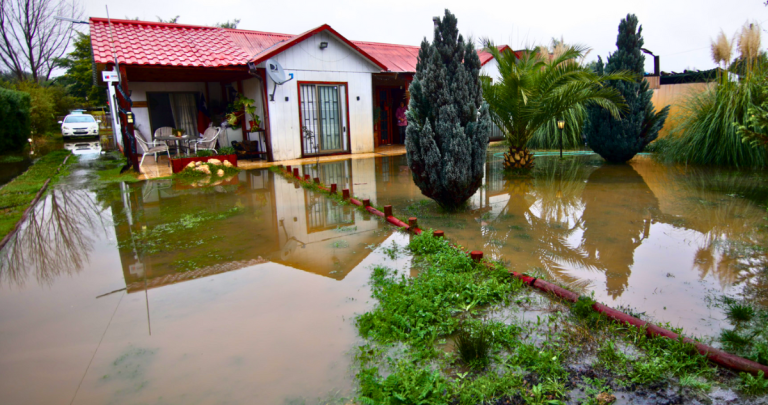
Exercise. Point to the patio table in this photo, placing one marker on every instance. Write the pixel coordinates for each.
(177, 139)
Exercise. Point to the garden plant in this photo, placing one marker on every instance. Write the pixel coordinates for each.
(448, 121)
(715, 121)
(535, 90)
(618, 139)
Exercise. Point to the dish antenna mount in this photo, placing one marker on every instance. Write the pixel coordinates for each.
(277, 74)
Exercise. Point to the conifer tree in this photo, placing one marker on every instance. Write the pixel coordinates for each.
(615, 140)
(448, 121)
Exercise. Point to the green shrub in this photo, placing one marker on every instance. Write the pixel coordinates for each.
(14, 119)
(46, 103)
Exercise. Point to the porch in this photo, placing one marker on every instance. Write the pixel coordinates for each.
(152, 170)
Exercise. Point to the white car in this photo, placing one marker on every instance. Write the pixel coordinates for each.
(75, 125)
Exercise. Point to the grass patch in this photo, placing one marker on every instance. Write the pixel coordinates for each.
(16, 195)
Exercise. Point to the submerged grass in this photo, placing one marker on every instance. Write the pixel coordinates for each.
(16, 195)
(406, 358)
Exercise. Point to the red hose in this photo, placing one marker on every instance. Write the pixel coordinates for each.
(715, 355)
(374, 211)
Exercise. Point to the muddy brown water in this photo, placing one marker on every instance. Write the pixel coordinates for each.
(246, 291)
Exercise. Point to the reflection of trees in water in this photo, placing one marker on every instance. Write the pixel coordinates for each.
(551, 206)
(55, 239)
(719, 203)
(617, 218)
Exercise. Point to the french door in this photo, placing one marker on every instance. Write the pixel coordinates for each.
(323, 118)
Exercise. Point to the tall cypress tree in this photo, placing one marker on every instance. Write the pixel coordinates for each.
(617, 141)
(448, 121)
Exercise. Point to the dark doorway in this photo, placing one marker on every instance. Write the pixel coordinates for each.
(388, 100)
(160, 112)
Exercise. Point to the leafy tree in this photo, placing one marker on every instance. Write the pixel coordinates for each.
(448, 122)
(229, 24)
(79, 77)
(620, 139)
(536, 89)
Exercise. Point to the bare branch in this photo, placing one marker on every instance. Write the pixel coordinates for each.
(31, 38)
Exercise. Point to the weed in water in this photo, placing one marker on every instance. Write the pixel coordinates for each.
(473, 343)
(740, 313)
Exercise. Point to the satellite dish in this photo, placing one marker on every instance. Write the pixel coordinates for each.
(277, 74)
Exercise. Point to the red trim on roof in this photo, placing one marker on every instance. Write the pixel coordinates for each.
(149, 43)
(283, 46)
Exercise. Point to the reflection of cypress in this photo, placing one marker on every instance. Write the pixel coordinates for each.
(616, 219)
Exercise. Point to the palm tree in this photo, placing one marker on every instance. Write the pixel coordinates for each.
(536, 89)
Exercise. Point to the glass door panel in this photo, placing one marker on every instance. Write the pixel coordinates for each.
(330, 124)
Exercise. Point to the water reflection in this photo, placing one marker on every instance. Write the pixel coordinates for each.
(170, 232)
(618, 210)
(55, 240)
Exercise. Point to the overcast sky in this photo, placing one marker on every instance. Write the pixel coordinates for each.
(678, 30)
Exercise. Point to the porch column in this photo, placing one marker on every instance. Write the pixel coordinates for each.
(128, 135)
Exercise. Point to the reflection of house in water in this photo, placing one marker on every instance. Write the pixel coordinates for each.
(274, 220)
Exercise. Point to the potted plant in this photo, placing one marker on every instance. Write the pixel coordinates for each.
(178, 132)
(238, 106)
(226, 153)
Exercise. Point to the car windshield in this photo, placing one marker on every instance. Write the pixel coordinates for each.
(77, 119)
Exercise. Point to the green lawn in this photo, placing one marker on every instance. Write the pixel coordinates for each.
(16, 195)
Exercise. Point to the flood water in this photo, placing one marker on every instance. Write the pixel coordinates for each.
(245, 292)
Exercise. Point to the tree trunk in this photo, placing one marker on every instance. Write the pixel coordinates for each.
(518, 158)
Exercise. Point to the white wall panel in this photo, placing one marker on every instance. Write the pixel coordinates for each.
(308, 63)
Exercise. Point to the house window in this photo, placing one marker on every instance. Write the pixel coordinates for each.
(324, 113)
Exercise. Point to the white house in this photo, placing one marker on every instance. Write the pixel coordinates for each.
(343, 92)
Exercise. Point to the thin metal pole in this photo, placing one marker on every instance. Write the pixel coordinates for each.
(561, 143)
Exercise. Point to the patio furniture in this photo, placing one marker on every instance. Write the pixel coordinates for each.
(208, 142)
(150, 148)
(161, 132)
(177, 140)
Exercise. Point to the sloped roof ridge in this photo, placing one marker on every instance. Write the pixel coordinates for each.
(385, 44)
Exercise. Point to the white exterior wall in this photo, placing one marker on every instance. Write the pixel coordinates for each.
(139, 93)
(491, 69)
(337, 63)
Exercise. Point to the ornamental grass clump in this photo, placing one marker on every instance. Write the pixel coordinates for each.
(725, 124)
(448, 121)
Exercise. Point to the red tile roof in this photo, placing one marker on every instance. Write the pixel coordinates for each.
(164, 44)
(398, 58)
(150, 43)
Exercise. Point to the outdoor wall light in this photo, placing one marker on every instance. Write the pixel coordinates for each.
(358, 98)
(129, 117)
(323, 45)
(286, 99)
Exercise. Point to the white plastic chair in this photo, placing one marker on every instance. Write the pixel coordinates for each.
(208, 142)
(151, 148)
